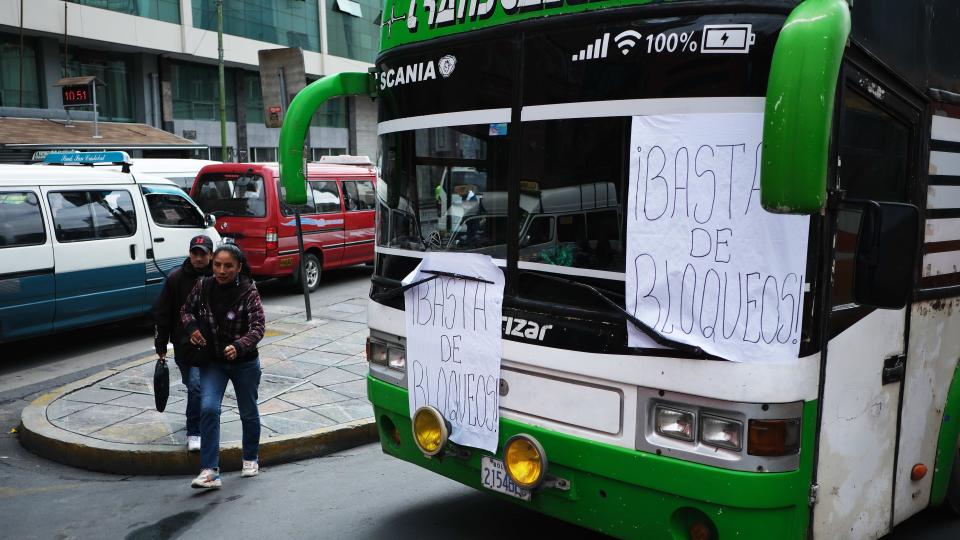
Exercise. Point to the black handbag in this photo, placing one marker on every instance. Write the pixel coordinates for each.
(161, 384)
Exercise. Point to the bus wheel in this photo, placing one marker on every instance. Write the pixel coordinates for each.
(953, 489)
(311, 266)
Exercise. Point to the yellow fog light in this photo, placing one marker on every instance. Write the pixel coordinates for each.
(429, 430)
(525, 460)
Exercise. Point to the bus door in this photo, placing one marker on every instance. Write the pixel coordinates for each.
(861, 394)
(99, 254)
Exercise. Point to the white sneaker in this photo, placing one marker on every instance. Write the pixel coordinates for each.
(250, 468)
(193, 443)
(207, 479)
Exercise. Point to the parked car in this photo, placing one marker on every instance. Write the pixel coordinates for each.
(83, 245)
(338, 219)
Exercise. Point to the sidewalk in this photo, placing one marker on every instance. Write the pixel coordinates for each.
(312, 401)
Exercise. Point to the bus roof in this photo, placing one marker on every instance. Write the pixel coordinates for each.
(58, 175)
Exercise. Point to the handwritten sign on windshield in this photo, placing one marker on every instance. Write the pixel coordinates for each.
(453, 344)
(706, 264)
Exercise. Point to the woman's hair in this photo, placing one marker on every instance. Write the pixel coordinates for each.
(238, 255)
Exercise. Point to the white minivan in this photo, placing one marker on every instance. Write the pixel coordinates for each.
(84, 245)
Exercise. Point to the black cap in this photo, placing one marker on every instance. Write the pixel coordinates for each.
(201, 241)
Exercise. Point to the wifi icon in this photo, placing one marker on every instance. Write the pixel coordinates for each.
(626, 40)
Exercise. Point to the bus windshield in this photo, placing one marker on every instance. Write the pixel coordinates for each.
(461, 173)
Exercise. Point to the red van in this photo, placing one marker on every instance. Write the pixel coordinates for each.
(338, 221)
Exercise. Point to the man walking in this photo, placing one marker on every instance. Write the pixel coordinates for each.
(166, 313)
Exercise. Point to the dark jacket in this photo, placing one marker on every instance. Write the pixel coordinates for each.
(166, 310)
(240, 324)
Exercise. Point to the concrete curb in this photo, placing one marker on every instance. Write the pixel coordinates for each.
(43, 438)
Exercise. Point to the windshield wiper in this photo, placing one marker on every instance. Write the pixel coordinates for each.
(642, 326)
(434, 274)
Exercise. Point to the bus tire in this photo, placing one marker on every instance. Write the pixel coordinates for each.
(953, 488)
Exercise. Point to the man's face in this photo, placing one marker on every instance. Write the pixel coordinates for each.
(199, 258)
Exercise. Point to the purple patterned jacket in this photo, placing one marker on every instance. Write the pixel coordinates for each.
(243, 326)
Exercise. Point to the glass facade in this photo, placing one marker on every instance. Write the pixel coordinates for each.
(252, 97)
(10, 74)
(332, 113)
(292, 23)
(115, 100)
(161, 10)
(196, 92)
(350, 36)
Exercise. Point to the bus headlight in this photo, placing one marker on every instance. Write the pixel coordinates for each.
(525, 461)
(674, 423)
(376, 352)
(429, 430)
(720, 432)
(397, 359)
(386, 354)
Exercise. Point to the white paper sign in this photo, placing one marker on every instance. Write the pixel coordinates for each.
(706, 264)
(453, 345)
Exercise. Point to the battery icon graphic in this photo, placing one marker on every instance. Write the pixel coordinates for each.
(727, 38)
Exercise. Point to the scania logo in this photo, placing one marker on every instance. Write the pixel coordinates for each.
(223, 226)
(447, 64)
(415, 73)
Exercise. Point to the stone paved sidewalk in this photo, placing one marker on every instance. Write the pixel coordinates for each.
(313, 377)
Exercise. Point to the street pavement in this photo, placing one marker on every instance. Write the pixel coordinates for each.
(353, 494)
(312, 393)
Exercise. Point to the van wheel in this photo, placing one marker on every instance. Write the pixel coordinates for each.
(953, 489)
(311, 267)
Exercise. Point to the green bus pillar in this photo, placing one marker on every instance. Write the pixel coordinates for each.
(799, 107)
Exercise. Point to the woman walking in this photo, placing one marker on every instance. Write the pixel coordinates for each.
(224, 316)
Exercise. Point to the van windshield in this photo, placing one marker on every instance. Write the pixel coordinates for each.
(231, 194)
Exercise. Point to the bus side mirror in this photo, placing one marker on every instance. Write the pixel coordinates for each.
(886, 254)
(209, 220)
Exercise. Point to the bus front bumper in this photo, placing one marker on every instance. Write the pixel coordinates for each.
(623, 492)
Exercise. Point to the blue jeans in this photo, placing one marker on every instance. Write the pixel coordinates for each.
(213, 380)
(190, 375)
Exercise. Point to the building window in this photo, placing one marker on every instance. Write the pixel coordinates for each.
(292, 23)
(253, 98)
(315, 153)
(115, 100)
(333, 113)
(10, 74)
(161, 10)
(196, 92)
(352, 29)
(263, 155)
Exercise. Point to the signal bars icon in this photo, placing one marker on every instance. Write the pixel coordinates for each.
(625, 41)
(596, 50)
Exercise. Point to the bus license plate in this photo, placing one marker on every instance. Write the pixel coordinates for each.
(493, 476)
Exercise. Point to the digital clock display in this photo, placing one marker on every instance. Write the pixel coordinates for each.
(77, 95)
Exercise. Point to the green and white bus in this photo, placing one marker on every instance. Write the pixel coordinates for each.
(552, 134)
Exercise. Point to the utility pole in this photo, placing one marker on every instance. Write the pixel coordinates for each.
(223, 85)
(21, 53)
(66, 65)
